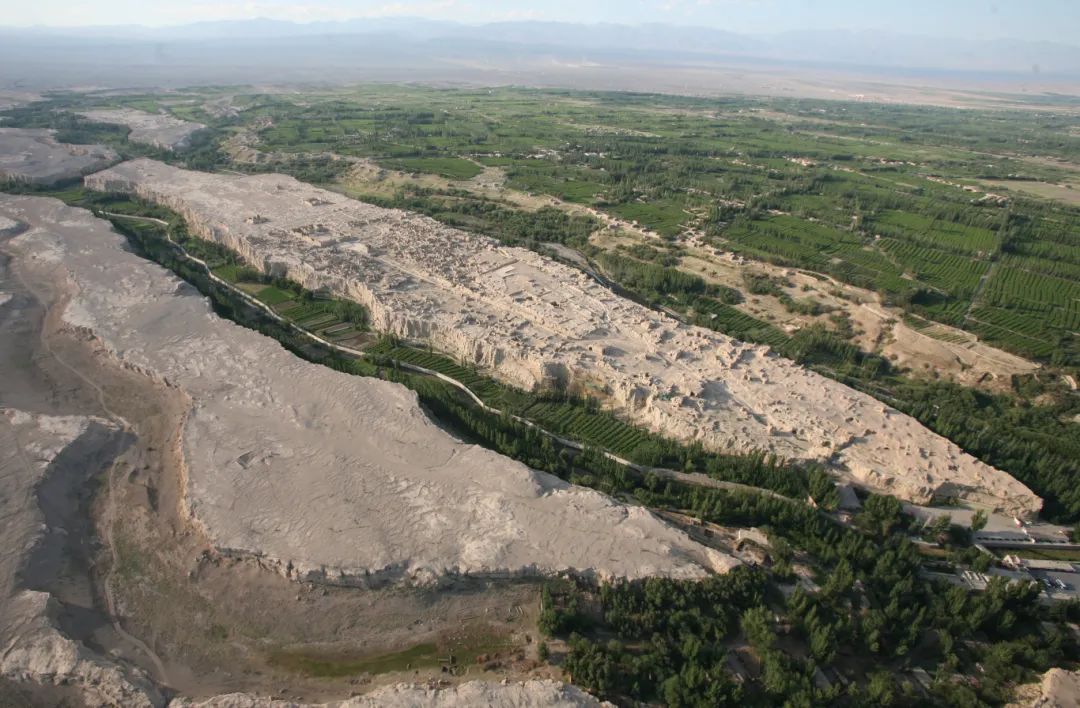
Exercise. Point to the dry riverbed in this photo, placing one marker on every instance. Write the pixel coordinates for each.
(146, 597)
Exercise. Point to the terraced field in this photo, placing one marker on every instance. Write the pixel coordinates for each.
(870, 197)
(633, 189)
(603, 431)
(482, 386)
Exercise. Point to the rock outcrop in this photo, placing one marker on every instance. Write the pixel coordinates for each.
(34, 156)
(1059, 689)
(532, 321)
(32, 649)
(527, 694)
(322, 475)
(158, 129)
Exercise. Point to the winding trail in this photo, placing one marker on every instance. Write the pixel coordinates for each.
(695, 478)
(978, 291)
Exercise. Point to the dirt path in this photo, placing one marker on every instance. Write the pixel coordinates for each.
(204, 624)
(983, 280)
(684, 477)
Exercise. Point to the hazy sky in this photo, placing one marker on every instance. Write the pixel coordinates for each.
(1054, 20)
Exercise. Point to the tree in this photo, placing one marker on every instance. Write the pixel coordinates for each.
(693, 687)
(822, 644)
(592, 666)
(881, 514)
(978, 522)
(757, 626)
(881, 690)
(839, 582)
(938, 529)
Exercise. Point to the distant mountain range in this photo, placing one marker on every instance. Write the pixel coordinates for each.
(259, 50)
(864, 48)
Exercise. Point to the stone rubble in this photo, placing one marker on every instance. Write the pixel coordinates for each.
(533, 322)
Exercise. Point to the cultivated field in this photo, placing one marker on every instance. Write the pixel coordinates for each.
(746, 298)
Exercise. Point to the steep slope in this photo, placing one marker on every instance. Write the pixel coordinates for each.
(158, 129)
(34, 156)
(323, 475)
(35, 473)
(532, 321)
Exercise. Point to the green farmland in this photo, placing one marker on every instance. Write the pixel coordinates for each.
(797, 199)
(888, 200)
(861, 194)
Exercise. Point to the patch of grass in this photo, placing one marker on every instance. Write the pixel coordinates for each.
(326, 665)
(250, 288)
(323, 319)
(131, 559)
(660, 216)
(449, 167)
(272, 295)
(218, 632)
(228, 272)
(932, 551)
(476, 641)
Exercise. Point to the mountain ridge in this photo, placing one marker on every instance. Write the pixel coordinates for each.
(865, 48)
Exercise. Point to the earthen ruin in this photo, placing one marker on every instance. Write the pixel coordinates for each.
(533, 322)
(158, 129)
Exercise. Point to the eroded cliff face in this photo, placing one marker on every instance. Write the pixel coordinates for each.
(32, 648)
(34, 156)
(158, 129)
(526, 319)
(48, 462)
(525, 694)
(1059, 688)
(322, 475)
(35, 652)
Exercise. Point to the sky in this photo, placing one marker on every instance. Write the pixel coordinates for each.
(1050, 20)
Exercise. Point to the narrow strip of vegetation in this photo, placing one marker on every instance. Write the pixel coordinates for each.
(873, 614)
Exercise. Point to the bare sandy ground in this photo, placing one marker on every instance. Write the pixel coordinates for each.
(157, 129)
(12, 99)
(34, 156)
(546, 694)
(534, 322)
(1059, 689)
(327, 475)
(203, 625)
(935, 351)
(1066, 192)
